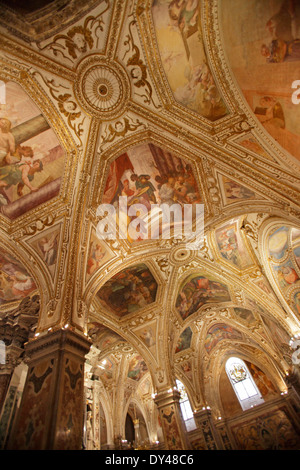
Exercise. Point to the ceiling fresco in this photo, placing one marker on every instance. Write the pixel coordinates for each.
(161, 102)
(32, 159)
(231, 245)
(137, 368)
(262, 42)
(184, 341)
(179, 31)
(103, 337)
(129, 291)
(15, 282)
(220, 332)
(150, 176)
(198, 291)
(284, 250)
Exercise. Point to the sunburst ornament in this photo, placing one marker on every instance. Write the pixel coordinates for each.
(102, 88)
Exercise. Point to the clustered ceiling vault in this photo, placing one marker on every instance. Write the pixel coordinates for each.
(178, 94)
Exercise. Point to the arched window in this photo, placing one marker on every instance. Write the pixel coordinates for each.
(243, 384)
(185, 406)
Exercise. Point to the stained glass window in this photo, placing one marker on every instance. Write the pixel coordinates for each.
(243, 384)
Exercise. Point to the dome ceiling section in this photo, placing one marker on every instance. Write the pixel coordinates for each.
(262, 45)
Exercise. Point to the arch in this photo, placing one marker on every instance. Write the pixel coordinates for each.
(138, 412)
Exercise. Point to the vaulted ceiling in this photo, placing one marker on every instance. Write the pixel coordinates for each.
(97, 92)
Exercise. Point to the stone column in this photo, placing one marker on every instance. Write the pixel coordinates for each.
(12, 358)
(205, 423)
(136, 423)
(52, 406)
(172, 423)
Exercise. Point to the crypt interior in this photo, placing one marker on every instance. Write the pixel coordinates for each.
(137, 341)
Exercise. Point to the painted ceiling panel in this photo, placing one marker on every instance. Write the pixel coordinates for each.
(179, 35)
(262, 42)
(32, 159)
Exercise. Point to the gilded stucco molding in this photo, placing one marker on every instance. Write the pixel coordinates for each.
(28, 56)
(86, 35)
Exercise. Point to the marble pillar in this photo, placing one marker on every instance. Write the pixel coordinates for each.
(204, 422)
(172, 423)
(52, 406)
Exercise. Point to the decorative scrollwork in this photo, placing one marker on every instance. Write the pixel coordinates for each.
(119, 129)
(137, 68)
(79, 39)
(66, 104)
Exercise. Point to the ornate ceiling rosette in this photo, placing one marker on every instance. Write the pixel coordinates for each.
(102, 87)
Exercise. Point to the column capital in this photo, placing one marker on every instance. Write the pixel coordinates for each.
(13, 355)
(52, 407)
(165, 397)
(63, 339)
(202, 414)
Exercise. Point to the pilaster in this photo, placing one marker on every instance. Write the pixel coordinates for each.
(174, 431)
(51, 411)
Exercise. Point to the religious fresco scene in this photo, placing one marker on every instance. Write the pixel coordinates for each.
(15, 282)
(47, 245)
(235, 191)
(262, 40)
(148, 335)
(184, 341)
(250, 143)
(32, 159)
(245, 315)
(220, 332)
(98, 254)
(284, 250)
(151, 176)
(128, 291)
(103, 336)
(232, 246)
(179, 30)
(137, 368)
(198, 291)
(116, 332)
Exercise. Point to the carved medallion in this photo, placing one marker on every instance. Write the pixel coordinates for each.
(102, 87)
